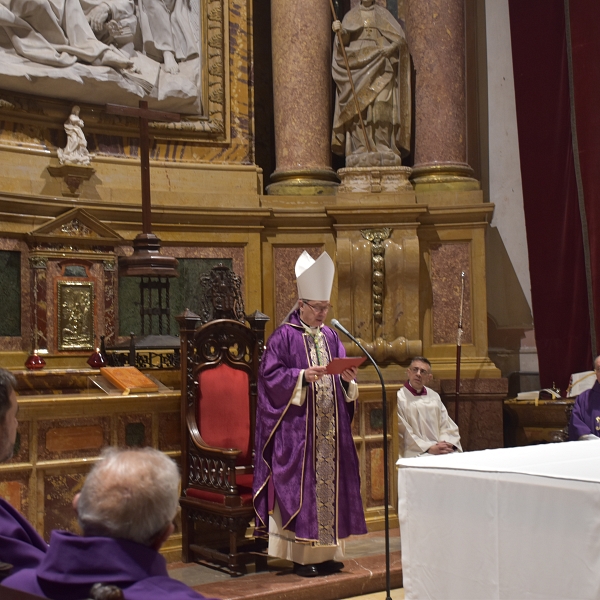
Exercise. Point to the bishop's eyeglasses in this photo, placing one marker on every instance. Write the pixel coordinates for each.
(318, 308)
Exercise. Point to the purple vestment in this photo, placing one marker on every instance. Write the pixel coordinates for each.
(287, 463)
(20, 543)
(586, 414)
(74, 564)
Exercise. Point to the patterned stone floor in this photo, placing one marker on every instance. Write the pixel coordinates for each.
(363, 576)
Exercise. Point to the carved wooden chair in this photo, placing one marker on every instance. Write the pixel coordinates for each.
(220, 355)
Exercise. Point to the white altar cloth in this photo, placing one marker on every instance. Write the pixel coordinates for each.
(502, 524)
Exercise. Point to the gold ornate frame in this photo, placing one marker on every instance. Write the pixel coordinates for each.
(75, 315)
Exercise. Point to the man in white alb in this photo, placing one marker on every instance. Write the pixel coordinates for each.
(423, 422)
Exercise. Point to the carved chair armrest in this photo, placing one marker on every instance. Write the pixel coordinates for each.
(204, 448)
(211, 470)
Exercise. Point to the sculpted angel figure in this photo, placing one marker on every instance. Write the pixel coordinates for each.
(75, 152)
(377, 54)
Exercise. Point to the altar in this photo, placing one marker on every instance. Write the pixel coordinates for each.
(61, 435)
(508, 523)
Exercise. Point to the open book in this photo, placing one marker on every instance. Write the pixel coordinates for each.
(546, 393)
(129, 379)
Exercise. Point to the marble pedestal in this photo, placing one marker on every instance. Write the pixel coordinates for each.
(374, 179)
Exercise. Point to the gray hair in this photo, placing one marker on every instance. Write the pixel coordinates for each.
(129, 494)
(7, 384)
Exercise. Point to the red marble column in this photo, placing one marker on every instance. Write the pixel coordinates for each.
(436, 38)
(301, 41)
(39, 292)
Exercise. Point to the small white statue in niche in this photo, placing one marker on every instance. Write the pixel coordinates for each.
(75, 152)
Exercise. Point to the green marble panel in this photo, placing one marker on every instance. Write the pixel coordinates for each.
(185, 292)
(376, 418)
(135, 435)
(10, 293)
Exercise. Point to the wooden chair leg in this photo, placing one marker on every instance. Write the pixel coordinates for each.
(186, 538)
(233, 557)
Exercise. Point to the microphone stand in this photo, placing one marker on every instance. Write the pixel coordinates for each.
(459, 346)
(341, 328)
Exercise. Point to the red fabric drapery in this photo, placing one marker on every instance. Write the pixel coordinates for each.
(554, 233)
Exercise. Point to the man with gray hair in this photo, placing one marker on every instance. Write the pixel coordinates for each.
(126, 510)
(20, 544)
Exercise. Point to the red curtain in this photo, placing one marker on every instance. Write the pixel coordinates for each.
(554, 232)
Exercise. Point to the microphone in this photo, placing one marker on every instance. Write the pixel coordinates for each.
(341, 328)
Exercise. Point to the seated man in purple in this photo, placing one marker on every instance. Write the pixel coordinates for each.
(585, 420)
(20, 544)
(126, 510)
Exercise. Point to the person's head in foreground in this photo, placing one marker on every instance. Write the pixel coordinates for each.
(597, 367)
(8, 414)
(419, 372)
(130, 494)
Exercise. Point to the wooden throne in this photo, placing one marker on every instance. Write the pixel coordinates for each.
(220, 355)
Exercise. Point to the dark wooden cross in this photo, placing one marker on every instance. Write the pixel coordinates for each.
(144, 114)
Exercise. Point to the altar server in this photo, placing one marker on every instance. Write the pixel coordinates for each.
(423, 422)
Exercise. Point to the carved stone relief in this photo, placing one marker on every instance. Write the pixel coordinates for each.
(117, 58)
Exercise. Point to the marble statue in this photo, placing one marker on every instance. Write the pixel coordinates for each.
(75, 152)
(113, 22)
(166, 32)
(56, 34)
(376, 49)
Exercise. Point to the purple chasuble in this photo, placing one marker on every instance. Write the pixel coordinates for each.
(20, 544)
(316, 484)
(74, 564)
(586, 414)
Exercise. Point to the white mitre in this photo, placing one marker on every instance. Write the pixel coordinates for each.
(314, 277)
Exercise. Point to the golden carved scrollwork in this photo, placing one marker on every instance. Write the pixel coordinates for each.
(398, 350)
(377, 237)
(381, 264)
(38, 262)
(76, 227)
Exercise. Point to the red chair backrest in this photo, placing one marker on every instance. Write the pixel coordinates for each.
(223, 413)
